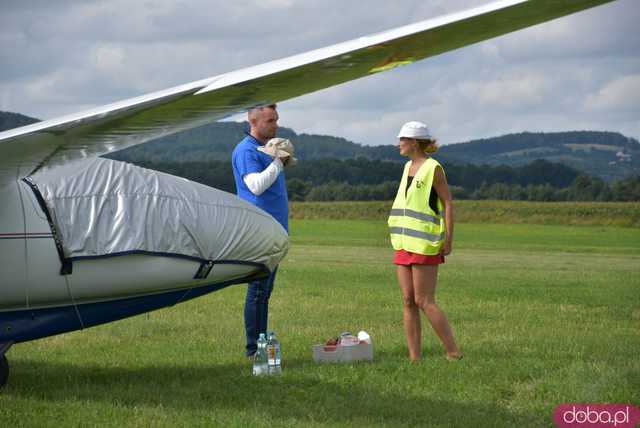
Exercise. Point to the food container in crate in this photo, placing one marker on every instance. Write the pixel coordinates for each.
(338, 353)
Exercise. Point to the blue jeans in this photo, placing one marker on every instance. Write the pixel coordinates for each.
(256, 310)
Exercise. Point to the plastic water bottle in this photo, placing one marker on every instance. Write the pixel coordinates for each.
(260, 361)
(274, 354)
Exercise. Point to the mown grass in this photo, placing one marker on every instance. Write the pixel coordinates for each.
(625, 214)
(545, 315)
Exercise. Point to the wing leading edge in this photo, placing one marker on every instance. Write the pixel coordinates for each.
(137, 120)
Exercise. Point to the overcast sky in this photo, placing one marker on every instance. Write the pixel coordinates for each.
(578, 72)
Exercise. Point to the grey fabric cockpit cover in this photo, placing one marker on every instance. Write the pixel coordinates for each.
(102, 207)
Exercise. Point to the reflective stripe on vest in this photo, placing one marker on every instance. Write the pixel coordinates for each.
(416, 234)
(415, 214)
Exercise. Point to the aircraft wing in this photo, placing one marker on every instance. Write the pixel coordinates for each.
(136, 120)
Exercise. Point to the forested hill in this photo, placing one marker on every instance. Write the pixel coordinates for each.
(607, 155)
(10, 120)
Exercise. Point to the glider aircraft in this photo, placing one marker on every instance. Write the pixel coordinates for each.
(87, 240)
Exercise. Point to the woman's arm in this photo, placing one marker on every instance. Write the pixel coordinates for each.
(442, 189)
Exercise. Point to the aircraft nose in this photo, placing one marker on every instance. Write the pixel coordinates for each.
(102, 207)
(241, 232)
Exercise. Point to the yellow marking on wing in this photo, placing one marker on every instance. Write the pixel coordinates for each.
(391, 64)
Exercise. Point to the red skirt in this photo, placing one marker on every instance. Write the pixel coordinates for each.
(407, 258)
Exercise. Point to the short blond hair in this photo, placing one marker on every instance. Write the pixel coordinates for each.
(428, 146)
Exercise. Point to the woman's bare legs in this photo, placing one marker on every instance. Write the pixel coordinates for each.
(411, 312)
(425, 278)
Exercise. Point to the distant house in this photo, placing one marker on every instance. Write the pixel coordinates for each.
(623, 157)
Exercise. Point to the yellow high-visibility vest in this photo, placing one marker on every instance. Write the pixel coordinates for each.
(413, 225)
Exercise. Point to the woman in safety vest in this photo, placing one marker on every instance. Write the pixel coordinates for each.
(421, 228)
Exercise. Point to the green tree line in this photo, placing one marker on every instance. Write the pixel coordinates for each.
(608, 155)
(365, 180)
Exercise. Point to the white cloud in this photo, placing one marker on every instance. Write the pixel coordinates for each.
(580, 71)
(506, 93)
(620, 94)
(109, 59)
(266, 4)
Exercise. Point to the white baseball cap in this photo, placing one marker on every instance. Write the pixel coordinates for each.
(279, 147)
(415, 129)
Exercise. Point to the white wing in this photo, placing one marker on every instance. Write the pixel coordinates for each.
(137, 120)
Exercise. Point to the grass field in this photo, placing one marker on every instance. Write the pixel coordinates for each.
(545, 315)
(625, 214)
